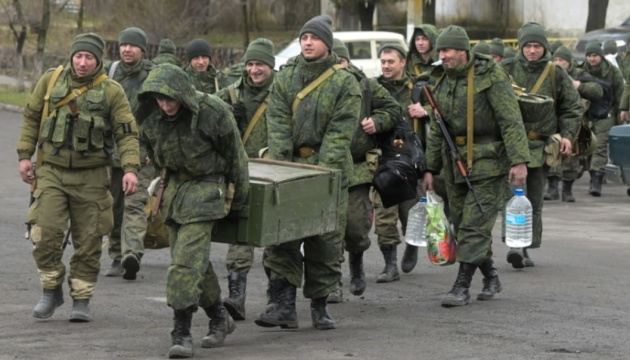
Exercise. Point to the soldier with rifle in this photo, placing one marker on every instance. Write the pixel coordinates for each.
(479, 138)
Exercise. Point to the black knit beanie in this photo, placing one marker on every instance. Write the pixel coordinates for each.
(453, 37)
(594, 46)
(340, 49)
(262, 50)
(198, 47)
(320, 26)
(564, 53)
(532, 32)
(134, 36)
(88, 42)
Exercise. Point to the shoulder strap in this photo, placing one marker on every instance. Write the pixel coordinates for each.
(470, 112)
(112, 69)
(553, 80)
(257, 115)
(77, 92)
(216, 84)
(315, 83)
(51, 84)
(542, 77)
(232, 92)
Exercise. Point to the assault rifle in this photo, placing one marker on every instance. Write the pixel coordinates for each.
(452, 150)
(159, 194)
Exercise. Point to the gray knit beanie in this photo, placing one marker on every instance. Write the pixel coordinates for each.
(496, 47)
(134, 36)
(262, 50)
(594, 46)
(198, 47)
(453, 37)
(532, 32)
(90, 42)
(563, 52)
(320, 26)
(482, 47)
(394, 46)
(167, 46)
(340, 49)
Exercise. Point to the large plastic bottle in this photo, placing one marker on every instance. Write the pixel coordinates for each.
(416, 224)
(518, 221)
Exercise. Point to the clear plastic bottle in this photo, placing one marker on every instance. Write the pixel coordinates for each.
(518, 221)
(416, 224)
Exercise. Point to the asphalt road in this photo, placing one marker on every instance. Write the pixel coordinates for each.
(573, 305)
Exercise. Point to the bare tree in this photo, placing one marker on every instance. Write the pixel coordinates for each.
(42, 32)
(596, 14)
(18, 27)
(363, 8)
(80, 16)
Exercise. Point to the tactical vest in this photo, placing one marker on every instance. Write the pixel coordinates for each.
(90, 131)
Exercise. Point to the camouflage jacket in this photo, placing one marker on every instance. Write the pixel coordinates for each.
(567, 101)
(612, 75)
(206, 81)
(197, 146)
(499, 135)
(252, 97)
(324, 121)
(166, 58)
(416, 65)
(385, 112)
(623, 60)
(588, 90)
(400, 90)
(106, 102)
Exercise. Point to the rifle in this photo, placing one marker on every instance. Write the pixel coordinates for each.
(455, 156)
(159, 193)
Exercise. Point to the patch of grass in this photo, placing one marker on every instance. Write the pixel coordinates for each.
(9, 95)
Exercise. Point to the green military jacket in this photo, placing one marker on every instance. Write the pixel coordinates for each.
(104, 118)
(612, 75)
(588, 90)
(252, 96)
(623, 60)
(498, 126)
(416, 65)
(209, 81)
(166, 58)
(324, 121)
(198, 146)
(400, 90)
(567, 101)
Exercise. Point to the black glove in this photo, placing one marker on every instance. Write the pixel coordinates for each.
(239, 110)
(233, 215)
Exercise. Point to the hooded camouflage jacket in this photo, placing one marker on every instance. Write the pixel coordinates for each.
(206, 81)
(612, 75)
(567, 101)
(416, 65)
(197, 145)
(109, 115)
(252, 96)
(324, 121)
(499, 135)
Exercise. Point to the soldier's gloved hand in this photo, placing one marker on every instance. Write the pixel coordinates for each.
(239, 110)
(233, 215)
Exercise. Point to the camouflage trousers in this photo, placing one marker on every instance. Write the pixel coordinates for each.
(570, 170)
(474, 230)
(80, 196)
(359, 219)
(320, 264)
(599, 158)
(239, 258)
(190, 280)
(130, 220)
(386, 220)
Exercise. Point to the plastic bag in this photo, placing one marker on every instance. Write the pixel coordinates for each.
(441, 244)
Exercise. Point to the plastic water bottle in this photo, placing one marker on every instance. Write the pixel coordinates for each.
(518, 221)
(416, 223)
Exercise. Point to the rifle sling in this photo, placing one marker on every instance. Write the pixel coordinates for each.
(470, 113)
(51, 84)
(549, 67)
(315, 83)
(257, 115)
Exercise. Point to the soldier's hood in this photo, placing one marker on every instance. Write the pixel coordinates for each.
(429, 31)
(170, 80)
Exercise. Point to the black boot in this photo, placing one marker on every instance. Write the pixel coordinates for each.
(219, 326)
(131, 265)
(319, 314)
(80, 311)
(273, 293)
(390, 272)
(235, 303)
(459, 295)
(50, 300)
(552, 189)
(410, 258)
(283, 314)
(182, 342)
(516, 257)
(597, 177)
(491, 282)
(357, 276)
(336, 297)
(567, 195)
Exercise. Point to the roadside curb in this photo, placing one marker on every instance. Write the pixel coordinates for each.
(12, 108)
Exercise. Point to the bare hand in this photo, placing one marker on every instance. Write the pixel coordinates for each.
(427, 182)
(148, 161)
(623, 116)
(416, 111)
(576, 83)
(26, 171)
(129, 183)
(518, 174)
(565, 146)
(369, 127)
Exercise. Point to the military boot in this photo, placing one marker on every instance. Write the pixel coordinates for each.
(319, 314)
(527, 261)
(410, 258)
(597, 177)
(552, 188)
(235, 303)
(336, 297)
(357, 276)
(273, 293)
(51, 299)
(182, 342)
(491, 282)
(459, 294)
(219, 326)
(115, 269)
(567, 195)
(390, 272)
(131, 266)
(284, 313)
(515, 257)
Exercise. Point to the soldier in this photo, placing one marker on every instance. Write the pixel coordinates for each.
(527, 69)
(589, 90)
(497, 49)
(126, 242)
(555, 46)
(384, 111)
(623, 60)
(602, 69)
(481, 47)
(500, 149)
(204, 76)
(74, 170)
(167, 53)
(509, 52)
(249, 97)
(422, 54)
(315, 130)
(194, 137)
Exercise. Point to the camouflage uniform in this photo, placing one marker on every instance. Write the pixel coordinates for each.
(73, 184)
(623, 60)
(167, 53)
(416, 65)
(209, 81)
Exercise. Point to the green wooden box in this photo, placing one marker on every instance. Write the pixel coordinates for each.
(287, 201)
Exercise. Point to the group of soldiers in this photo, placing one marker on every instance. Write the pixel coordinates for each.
(100, 131)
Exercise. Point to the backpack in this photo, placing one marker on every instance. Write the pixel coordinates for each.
(599, 109)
